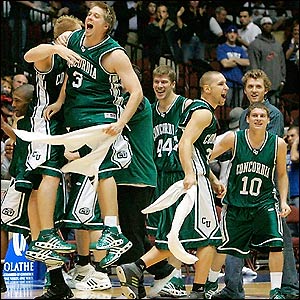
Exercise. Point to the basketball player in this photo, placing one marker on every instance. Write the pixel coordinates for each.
(251, 193)
(199, 130)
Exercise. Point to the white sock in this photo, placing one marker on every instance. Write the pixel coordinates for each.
(111, 221)
(178, 273)
(275, 278)
(213, 275)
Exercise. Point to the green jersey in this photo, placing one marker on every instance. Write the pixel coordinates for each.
(203, 146)
(142, 169)
(251, 178)
(47, 88)
(165, 138)
(91, 92)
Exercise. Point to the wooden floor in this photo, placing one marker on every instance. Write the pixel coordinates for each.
(29, 290)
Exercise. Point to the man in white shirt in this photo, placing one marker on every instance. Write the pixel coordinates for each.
(248, 30)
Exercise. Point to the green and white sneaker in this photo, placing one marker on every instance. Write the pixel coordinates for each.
(210, 288)
(276, 294)
(49, 257)
(50, 240)
(174, 288)
(115, 253)
(110, 238)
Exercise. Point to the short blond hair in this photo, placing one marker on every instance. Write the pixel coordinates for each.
(109, 14)
(66, 23)
(256, 74)
(165, 70)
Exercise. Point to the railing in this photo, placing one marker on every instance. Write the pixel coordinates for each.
(38, 29)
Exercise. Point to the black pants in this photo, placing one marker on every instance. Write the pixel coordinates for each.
(131, 200)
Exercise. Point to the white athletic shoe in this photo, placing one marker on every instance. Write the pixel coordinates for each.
(79, 273)
(96, 281)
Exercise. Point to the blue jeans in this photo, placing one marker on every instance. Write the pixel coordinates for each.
(234, 265)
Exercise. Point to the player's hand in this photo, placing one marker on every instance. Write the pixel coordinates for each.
(114, 128)
(285, 210)
(71, 155)
(9, 149)
(51, 110)
(217, 186)
(220, 190)
(63, 38)
(189, 180)
(69, 55)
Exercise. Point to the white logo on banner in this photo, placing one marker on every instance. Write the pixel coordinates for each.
(19, 244)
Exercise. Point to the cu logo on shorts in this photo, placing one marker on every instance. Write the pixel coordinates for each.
(206, 222)
(84, 210)
(8, 211)
(122, 154)
(36, 155)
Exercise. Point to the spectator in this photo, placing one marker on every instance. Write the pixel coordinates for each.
(127, 28)
(292, 139)
(266, 53)
(233, 59)
(291, 52)
(292, 161)
(18, 23)
(193, 21)
(147, 16)
(258, 10)
(55, 10)
(19, 79)
(218, 24)
(5, 160)
(279, 14)
(6, 87)
(248, 31)
(6, 113)
(164, 36)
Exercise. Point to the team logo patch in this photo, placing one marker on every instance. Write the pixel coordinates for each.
(8, 211)
(84, 210)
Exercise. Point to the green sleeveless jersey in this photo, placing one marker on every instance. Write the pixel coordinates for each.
(203, 146)
(251, 178)
(47, 89)
(139, 131)
(165, 139)
(91, 92)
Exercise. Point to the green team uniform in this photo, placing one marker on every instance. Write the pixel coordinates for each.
(201, 226)
(43, 158)
(35, 159)
(165, 152)
(139, 130)
(14, 205)
(83, 211)
(93, 95)
(251, 198)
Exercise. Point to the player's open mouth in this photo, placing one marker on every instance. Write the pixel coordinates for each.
(89, 26)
